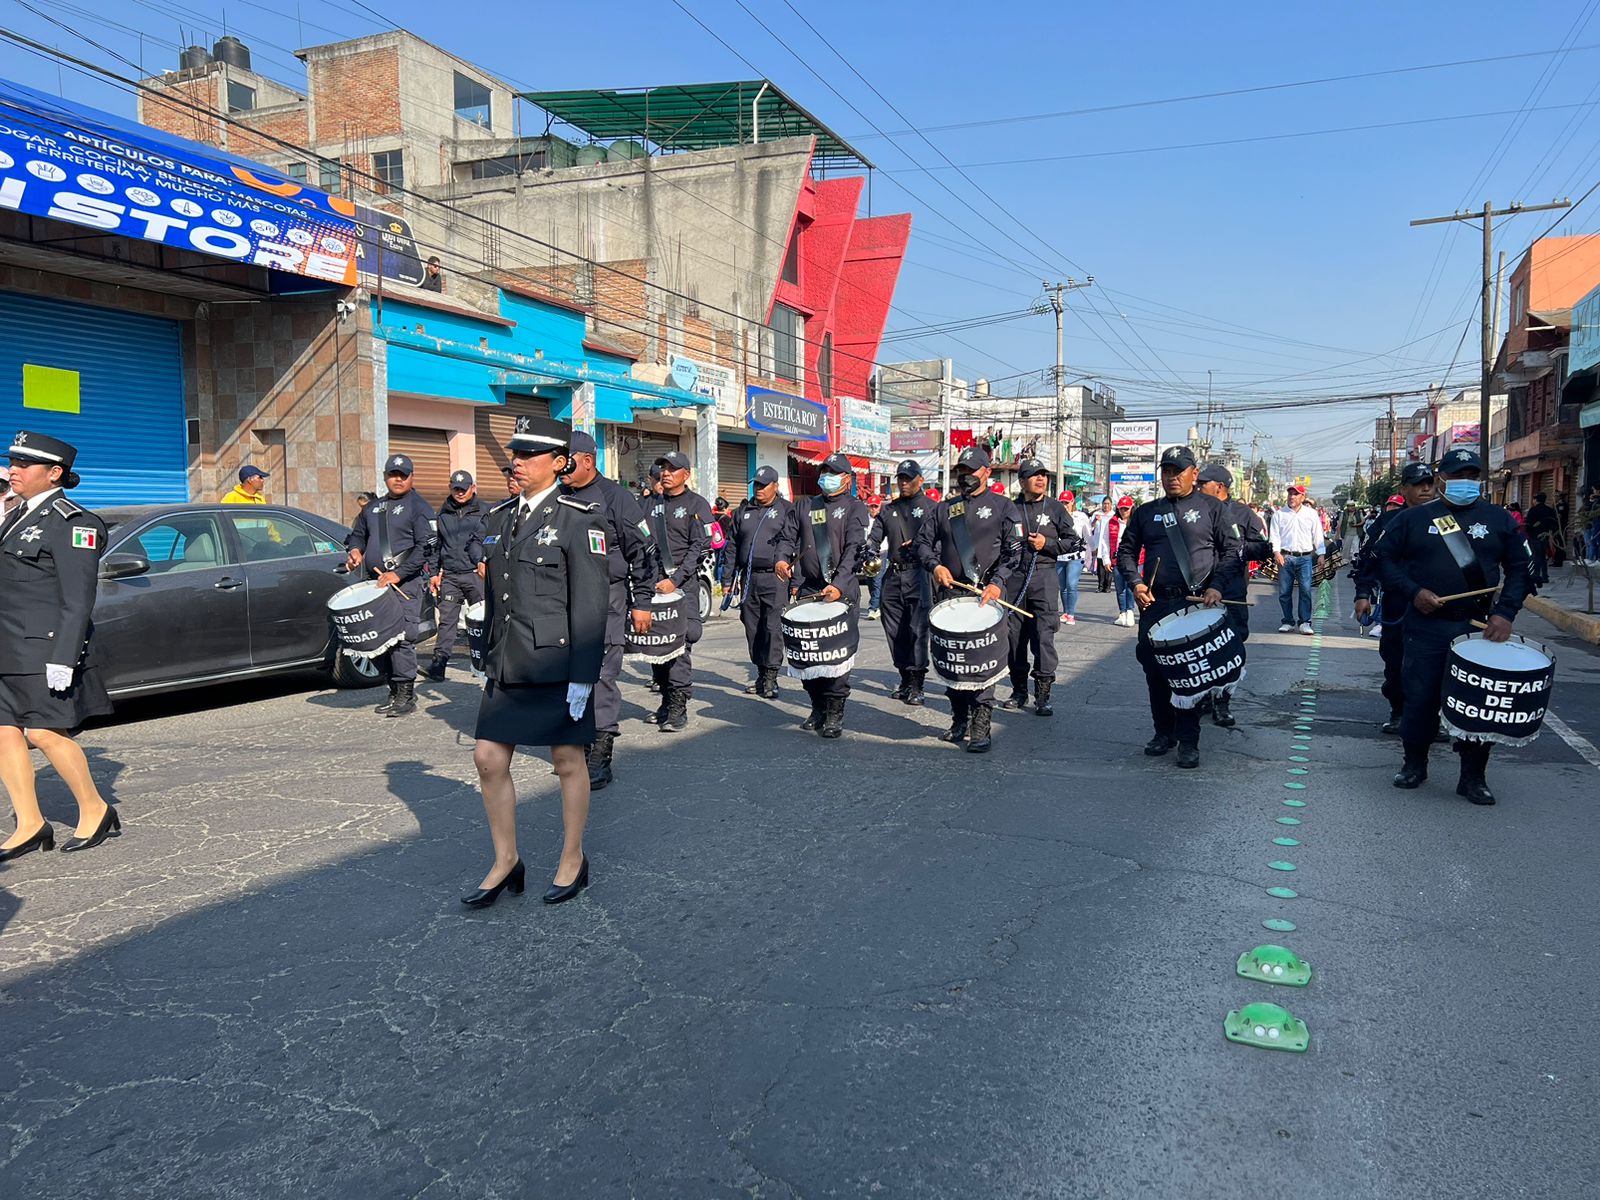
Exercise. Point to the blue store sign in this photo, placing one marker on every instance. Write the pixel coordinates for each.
(779, 412)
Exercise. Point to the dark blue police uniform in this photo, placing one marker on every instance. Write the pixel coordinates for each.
(459, 548)
(758, 531)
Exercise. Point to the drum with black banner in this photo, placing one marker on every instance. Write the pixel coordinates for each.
(968, 643)
(1497, 691)
(472, 621)
(367, 619)
(1199, 653)
(668, 636)
(820, 638)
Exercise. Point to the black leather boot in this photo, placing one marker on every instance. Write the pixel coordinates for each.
(978, 731)
(405, 699)
(1018, 697)
(914, 695)
(1160, 744)
(1041, 697)
(832, 717)
(1221, 714)
(660, 713)
(905, 684)
(769, 684)
(1474, 762)
(1414, 772)
(753, 688)
(676, 717)
(1392, 725)
(436, 668)
(813, 722)
(384, 708)
(961, 711)
(1188, 755)
(600, 761)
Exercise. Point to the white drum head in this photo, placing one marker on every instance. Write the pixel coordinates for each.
(665, 598)
(474, 611)
(1515, 655)
(357, 595)
(816, 612)
(965, 615)
(1181, 626)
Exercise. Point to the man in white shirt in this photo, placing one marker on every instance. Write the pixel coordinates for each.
(1297, 543)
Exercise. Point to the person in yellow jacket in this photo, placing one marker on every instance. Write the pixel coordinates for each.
(251, 489)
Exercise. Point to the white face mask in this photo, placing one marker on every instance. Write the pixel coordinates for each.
(832, 484)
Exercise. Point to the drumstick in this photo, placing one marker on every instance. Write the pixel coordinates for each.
(1478, 625)
(1237, 603)
(1001, 603)
(396, 587)
(1465, 595)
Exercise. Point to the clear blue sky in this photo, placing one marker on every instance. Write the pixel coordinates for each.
(1229, 258)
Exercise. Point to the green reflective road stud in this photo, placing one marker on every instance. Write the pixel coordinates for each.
(1275, 964)
(1283, 866)
(1282, 893)
(1279, 925)
(1288, 820)
(1268, 1026)
(1296, 787)
(1300, 758)
(1298, 771)
(1293, 803)
(1285, 841)
(1300, 746)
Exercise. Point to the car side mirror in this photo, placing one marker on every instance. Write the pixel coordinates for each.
(124, 566)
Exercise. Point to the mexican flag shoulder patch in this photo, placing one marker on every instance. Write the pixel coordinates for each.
(85, 537)
(597, 542)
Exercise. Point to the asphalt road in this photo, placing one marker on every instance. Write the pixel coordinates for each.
(878, 966)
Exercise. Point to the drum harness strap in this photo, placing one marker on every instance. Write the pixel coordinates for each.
(963, 542)
(823, 545)
(1455, 541)
(894, 525)
(1179, 545)
(388, 561)
(658, 521)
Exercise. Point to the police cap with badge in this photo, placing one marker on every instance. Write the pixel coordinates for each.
(29, 448)
(1216, 473)
(1179, 457)
(1417, 472)
(1029, 467)
(974, 458)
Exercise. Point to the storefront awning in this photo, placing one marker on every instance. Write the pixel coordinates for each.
(814, 453)
(70, 163)
(1581, 387)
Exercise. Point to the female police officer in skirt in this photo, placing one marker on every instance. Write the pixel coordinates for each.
(49, 567)
(547, 586)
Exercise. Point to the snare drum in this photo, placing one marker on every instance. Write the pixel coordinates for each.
(1497, 691)
(819, 638)
(367, 619)
(472, 619)
(669, 631)
(1199, 653)
(968, 643)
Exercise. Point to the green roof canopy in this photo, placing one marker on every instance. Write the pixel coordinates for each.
(697, 116)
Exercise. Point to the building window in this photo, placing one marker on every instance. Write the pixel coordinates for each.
(240, 98)
(472, 101)
(390, 168)
(825, 365)
(295, 171)
(787, 327)
(1519, 303)
(328, 176)
(791, 259)
(509, 164)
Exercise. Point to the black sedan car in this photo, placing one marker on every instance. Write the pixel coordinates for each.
(196, 594)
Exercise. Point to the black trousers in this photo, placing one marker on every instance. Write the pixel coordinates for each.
(456, 589)
(1392, 650)
(679, 673)
(836, 687)
(1427, 652)
(399, 665)
(607, 692)
(764, 597)
(1035, 636)
(904, 605)
(1180, 723)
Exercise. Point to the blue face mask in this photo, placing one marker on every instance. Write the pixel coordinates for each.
(1462, 491)
(831, 483)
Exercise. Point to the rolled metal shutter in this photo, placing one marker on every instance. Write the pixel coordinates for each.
(429, 452)
(651, 447)
(493, 428)
(110, 383)
(733, 471)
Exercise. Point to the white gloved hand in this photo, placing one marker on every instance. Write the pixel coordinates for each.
(578, 698)
(58, 678)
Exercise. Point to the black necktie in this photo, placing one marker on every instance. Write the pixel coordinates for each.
(13, 519)
(516, 521)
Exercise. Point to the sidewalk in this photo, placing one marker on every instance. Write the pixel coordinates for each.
(1564, 601)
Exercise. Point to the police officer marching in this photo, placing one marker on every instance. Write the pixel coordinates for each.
(1046, 532)
(1416, 489)
(681, 521)
(1255, 545)
(1189, 549)
(459, 533)
(632, 572)
(820, 552)
(759, 527)
(545, 617)
(390, 538)
(1458, 542)
(49, 684)
(907, 595)
(973, 538)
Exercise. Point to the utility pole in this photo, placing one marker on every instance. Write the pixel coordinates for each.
(1058, 470)
(1393, 440)
(1487, 216)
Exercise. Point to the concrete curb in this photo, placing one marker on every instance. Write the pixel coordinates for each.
(1585, 626)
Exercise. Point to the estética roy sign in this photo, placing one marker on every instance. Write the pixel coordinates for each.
(779, 412)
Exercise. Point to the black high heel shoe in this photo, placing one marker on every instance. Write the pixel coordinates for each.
(44, 839)
(110, 826)
(514, 881)
(562, 892)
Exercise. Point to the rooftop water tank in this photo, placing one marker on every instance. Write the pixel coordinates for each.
(587, 156)
(627, 149)
(193, 57)
(232, 51)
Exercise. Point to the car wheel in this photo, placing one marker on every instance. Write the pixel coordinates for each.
(350, 671)
(705, 600)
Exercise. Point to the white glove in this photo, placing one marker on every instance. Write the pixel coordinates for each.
(578, 698)
(58, 678)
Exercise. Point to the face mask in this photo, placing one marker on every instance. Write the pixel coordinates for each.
(831, 483)
(1461, 491)
(971, 485)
